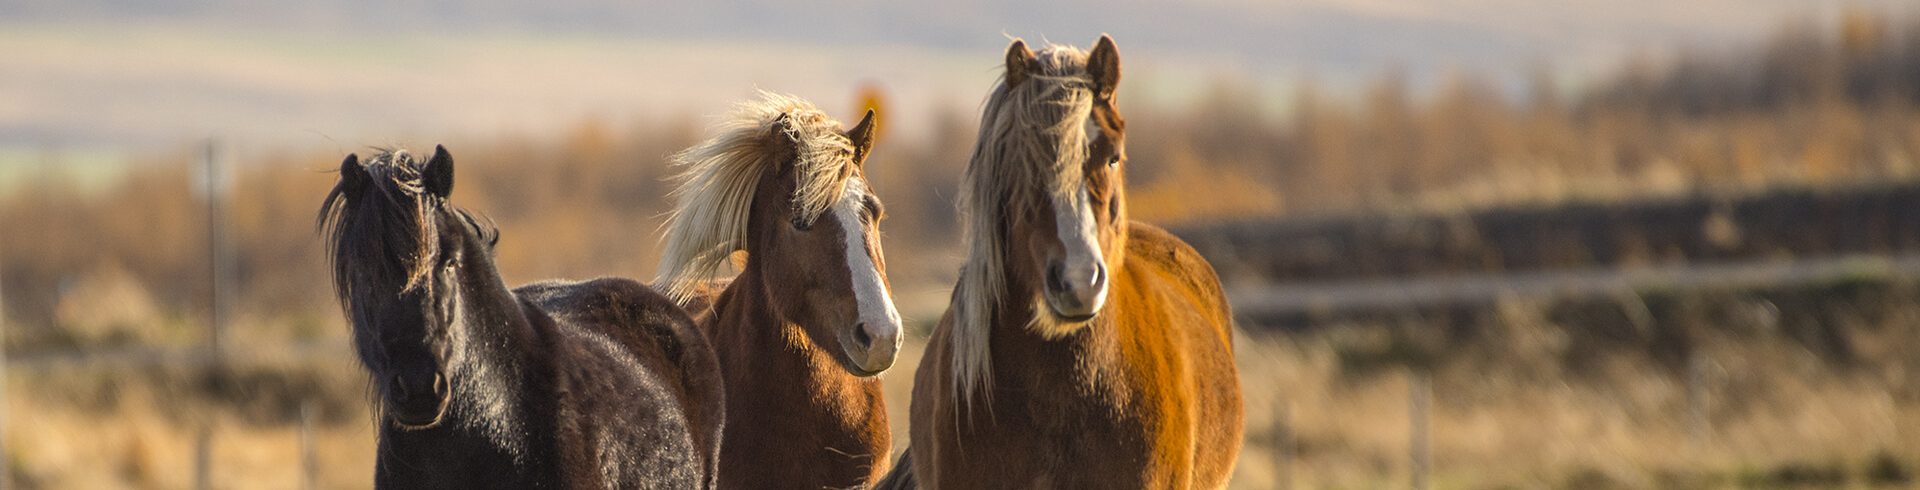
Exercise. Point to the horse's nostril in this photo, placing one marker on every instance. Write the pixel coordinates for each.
(439, 385)
(1057, 277)
(861, 336)
(1099, 276)
(399, 387)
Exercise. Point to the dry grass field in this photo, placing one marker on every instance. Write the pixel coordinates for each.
(1507, 412)
(1778, 416)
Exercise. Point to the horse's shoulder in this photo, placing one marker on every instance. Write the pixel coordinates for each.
(1212, 390)
(933, 380)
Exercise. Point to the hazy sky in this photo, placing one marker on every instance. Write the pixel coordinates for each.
(138, 74)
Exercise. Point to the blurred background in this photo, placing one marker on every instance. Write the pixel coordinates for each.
(1472, 243)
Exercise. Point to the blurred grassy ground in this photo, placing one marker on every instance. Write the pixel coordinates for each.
(1523, 404)
(1513, 410)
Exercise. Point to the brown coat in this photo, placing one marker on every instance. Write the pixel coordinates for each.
(1145, 397)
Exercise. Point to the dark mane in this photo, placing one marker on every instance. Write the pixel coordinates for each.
(393, 213)
(479, 385)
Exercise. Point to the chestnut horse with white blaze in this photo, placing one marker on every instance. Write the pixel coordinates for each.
(1080, 349)
(808, 322)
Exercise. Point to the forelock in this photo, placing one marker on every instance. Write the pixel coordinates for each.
(1032, 135)
(719, 178)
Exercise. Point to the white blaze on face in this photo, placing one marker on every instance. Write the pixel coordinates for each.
(1079, 232)
(1080, 238)
(869, 290)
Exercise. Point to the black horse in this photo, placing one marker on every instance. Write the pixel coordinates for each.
(595, 384)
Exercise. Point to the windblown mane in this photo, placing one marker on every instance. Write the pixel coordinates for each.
(1032, 135)
(716, 189)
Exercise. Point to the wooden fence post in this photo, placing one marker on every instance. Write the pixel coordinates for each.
(6, 476)
(217, 269)
(1419, 408)
(309, 456)
(1699, 422)
(1283, 444)
(203, 457)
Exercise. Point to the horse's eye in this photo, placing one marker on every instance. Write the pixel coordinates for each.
(1113, 161)
(801, 224)
(874, 211)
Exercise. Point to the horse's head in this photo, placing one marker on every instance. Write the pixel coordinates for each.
(1061, 149)
(824, 272)
(397, 251)
(809, 224)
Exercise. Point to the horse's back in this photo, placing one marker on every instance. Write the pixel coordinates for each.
(641, 380)
(1178, 296)
(1183, 270)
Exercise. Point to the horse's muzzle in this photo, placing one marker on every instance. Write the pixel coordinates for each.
(417, 402)
(871, 347)
(1076, 293)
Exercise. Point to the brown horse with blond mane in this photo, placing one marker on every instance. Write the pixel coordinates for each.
(1080, 350)
(809, 320)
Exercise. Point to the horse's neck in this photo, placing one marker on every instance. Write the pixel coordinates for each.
(498, 350)
(1024, 358)
(783, 392)
(755, 343)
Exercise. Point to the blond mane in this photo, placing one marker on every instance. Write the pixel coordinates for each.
(1032, 134)
(719, 176)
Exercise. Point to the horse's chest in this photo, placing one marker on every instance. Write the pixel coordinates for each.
(1041, 429)
(1047, 451)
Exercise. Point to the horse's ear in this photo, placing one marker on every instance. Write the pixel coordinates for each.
(1020, 63)
(438, 176)
(862, 137)
(782, 126)
(782, 134)
(1104, 65)
(353, 178)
